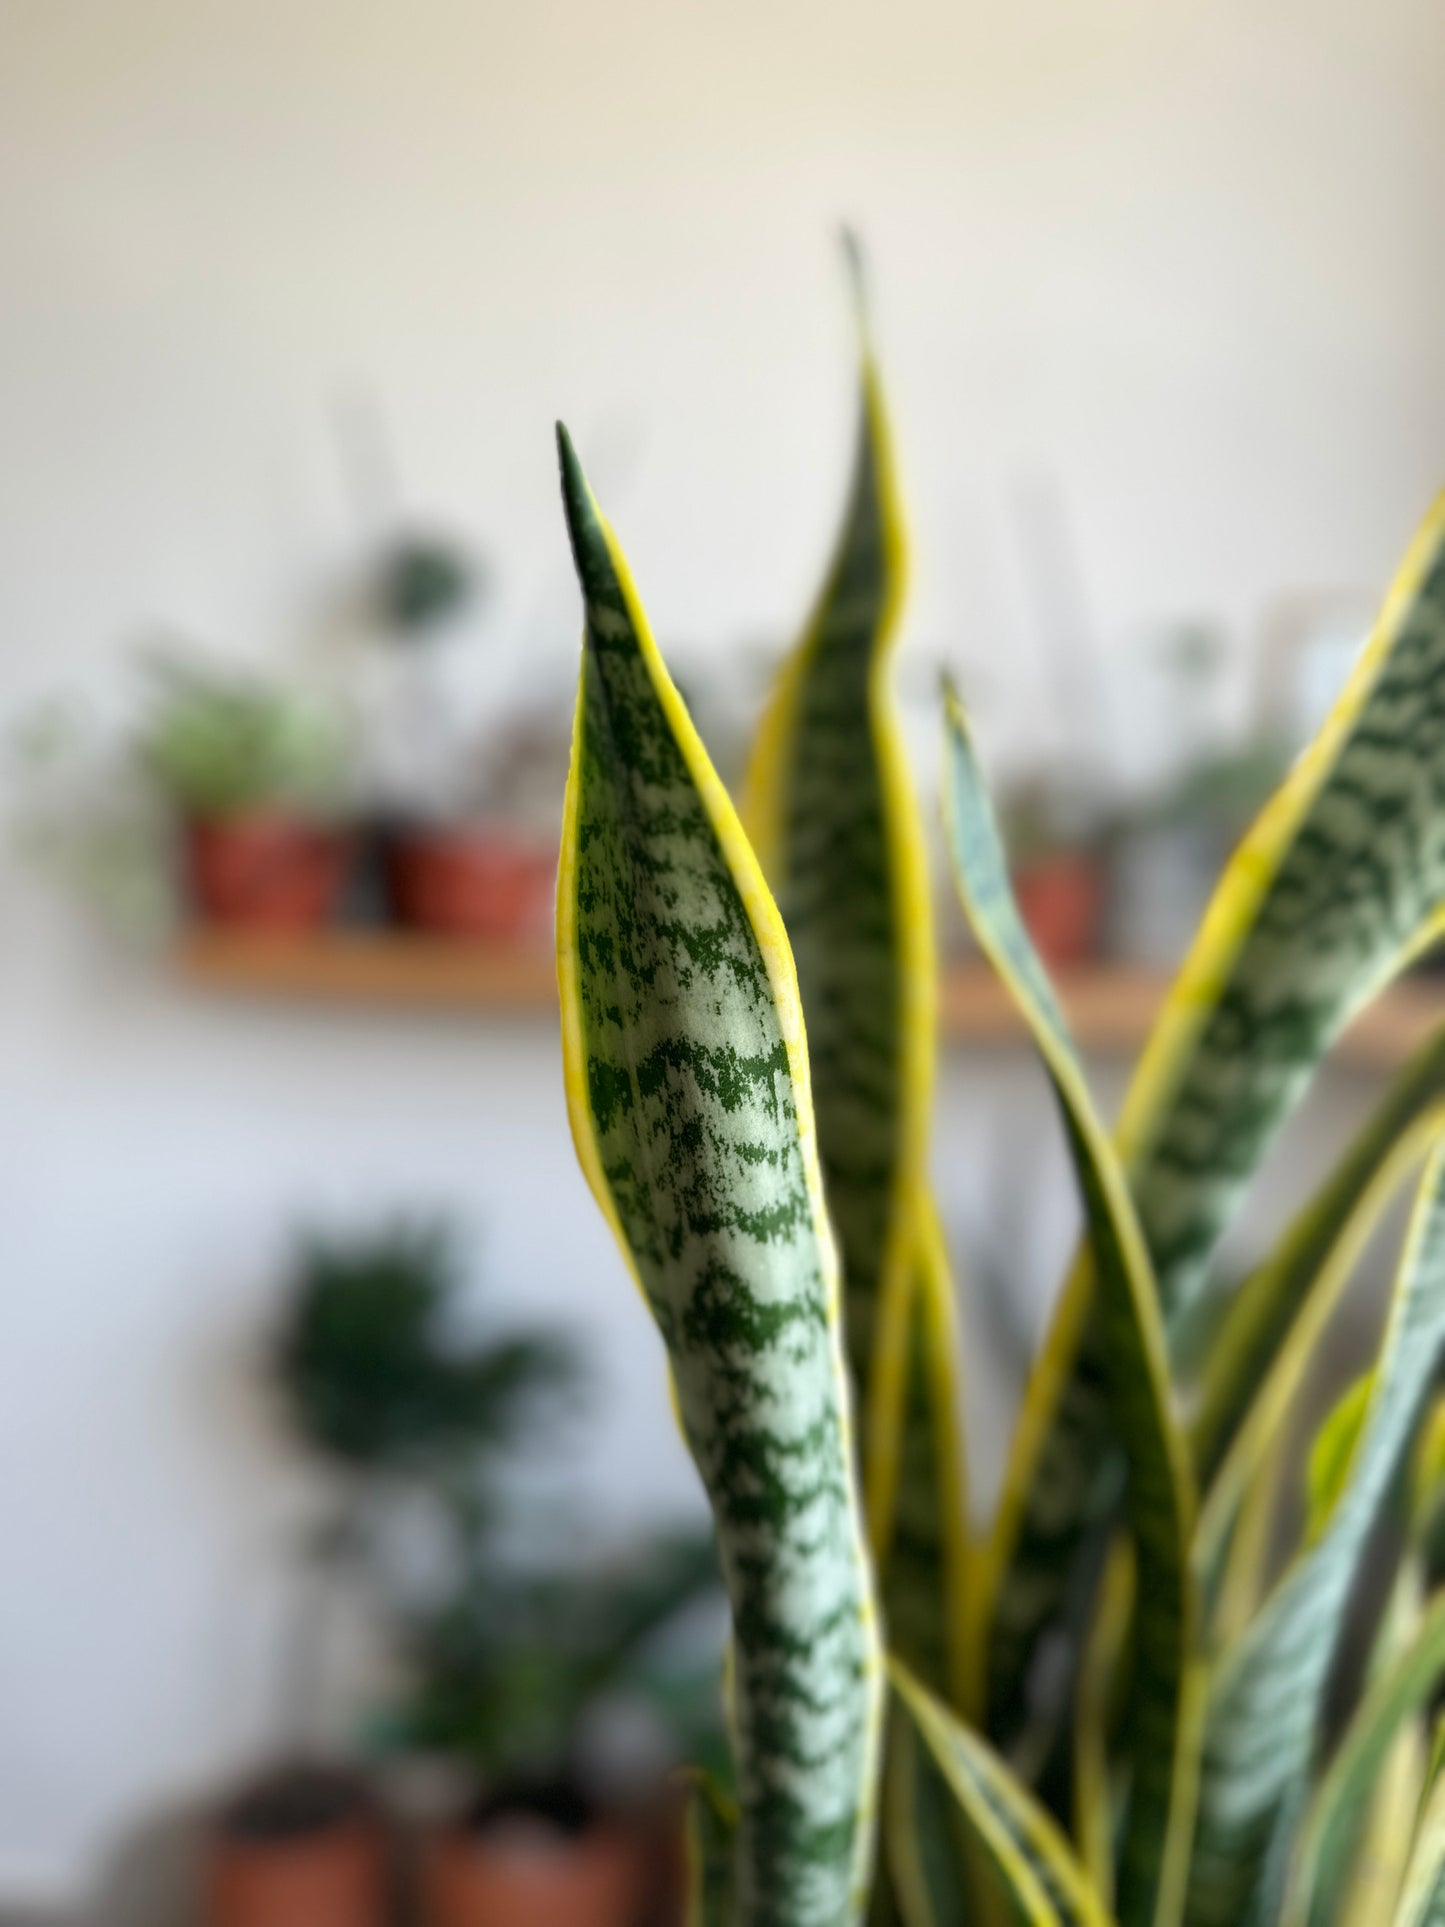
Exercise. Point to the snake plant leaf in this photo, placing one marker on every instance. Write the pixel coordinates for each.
(1261, 1313)
(1422, 1894)
(835, 821)
(1338, 885)
(1096, 1706)
(1331, 1453)
(1232, 1556)
(936, 1875)
(926, 1577)
(1391, 1805)
(688, 1092)
(1029, 1858)
(1160, 1485)
(1249, 1459)
(1332, 1826)
(1266, 1695)
(710, 1836)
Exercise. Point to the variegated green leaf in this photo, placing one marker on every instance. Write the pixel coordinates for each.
(711, 1840)
(688, 1090)
(925, 1580)
(1338, 885)
(1270, 1299)
(1029, 1859)
(1422, 1895)
(1101, 1678)
(835, 821)
(1332, 1452)
(1160, 1491)
(1265, 1699)
(1250, 1457)
(1329, 1840)
(936, 1877)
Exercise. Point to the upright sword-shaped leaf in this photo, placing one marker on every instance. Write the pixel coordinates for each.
(1268, 1303)
(1136, 1376)
(836, 824)
(1034, 1869)
(688, 1090)
(1338, 885)
(1265, 1699)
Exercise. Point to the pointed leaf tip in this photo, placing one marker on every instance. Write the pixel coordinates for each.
(576, 495)
(856, 267)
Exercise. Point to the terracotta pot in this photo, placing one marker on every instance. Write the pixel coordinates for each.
(263, 871)
(1061, 899)
(521, 1873)
(330, 1874)
(471, 882)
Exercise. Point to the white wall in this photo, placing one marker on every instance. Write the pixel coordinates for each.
(1182, 259)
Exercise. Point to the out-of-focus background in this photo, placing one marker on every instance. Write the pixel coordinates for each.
(290, 296)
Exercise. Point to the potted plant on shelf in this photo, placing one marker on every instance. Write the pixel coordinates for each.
(516, 1676)
(455, 862)
(256, 776)
(1058, 872)
(377, 1387)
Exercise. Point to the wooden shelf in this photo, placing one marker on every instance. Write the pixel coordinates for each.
(1110, 1008)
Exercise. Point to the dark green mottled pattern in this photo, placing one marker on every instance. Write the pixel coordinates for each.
(1135, 1379)
(1265, 1703)
(1363, 873)
(830, 870)
(694, 1113)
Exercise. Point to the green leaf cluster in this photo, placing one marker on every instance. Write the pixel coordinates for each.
(1130, 1698)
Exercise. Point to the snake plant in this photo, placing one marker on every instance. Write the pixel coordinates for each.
(1119, 1703)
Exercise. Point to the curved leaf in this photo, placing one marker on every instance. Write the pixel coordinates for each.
(1095, 1709)
(1028, 1856)
(1333, 1822)
(1249, 1458)
(1264, 1308)
(1265, 1700)
(1422, 1896)
(1338, 885)
(710, 1837)
(688, 1092)
(926, 1576)
(1160, 1488)
(833, 816)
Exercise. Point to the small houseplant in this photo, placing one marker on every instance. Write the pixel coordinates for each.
(1116, 1706)
(510, 1674)
(450, 869)
(381, 1391)
(256, 777)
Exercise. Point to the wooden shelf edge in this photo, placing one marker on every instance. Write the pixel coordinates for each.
(1110, 1008)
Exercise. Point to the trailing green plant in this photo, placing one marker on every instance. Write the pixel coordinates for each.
(1113, 1706)
(225, 744)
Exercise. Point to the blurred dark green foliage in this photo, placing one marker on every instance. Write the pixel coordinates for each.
(509, 1670)
(375, 1370)
(423, 582)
